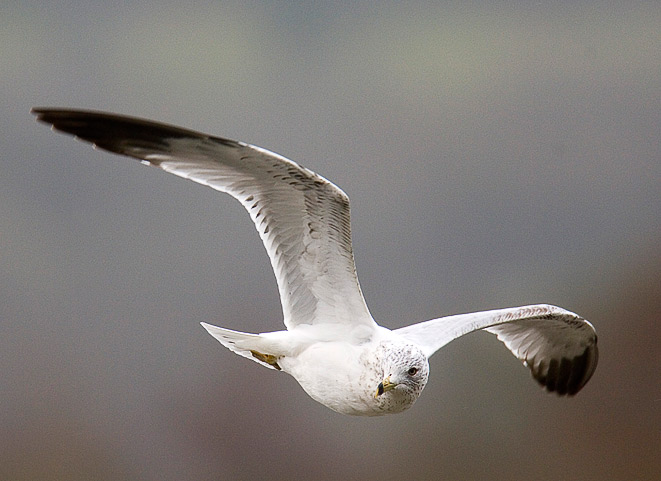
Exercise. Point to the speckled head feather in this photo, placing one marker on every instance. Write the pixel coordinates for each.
(404, 372)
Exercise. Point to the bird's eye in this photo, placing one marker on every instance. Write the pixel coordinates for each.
(413, 371)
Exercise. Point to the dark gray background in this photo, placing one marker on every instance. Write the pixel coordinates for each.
(496, 154)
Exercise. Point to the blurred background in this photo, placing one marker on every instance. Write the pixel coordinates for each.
(496, 154)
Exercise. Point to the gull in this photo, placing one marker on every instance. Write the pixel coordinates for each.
(332, 346)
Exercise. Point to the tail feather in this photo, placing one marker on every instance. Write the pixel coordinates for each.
(244, 344)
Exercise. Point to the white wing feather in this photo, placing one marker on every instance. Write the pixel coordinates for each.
(558, 346)
(302, 218)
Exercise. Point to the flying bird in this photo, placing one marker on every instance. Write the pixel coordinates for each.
(332, 346)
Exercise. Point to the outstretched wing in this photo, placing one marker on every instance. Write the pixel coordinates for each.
(302, 218)
(558, 346)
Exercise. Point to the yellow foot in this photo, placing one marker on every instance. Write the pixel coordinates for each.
(267, 358)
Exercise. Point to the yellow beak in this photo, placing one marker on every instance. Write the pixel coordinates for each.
(384, 386)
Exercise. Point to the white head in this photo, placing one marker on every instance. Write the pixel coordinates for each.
(404, 372)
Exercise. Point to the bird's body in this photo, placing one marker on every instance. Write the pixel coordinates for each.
(332, 346)
(340, 366)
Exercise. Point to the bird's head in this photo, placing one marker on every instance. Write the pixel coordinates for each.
(403, 373)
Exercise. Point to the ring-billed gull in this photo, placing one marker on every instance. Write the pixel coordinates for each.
(332, 346)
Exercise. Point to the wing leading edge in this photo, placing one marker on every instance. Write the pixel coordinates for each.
(302, 218)
(558, 346)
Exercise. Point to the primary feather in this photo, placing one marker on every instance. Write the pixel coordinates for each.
(302, 218)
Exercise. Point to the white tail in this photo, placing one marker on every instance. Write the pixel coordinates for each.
(244, 344)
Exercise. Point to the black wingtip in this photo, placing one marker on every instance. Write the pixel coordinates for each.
(51, 114)
(45, 114)
(120, 134)
(565, 376)
(112, 132)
